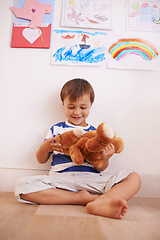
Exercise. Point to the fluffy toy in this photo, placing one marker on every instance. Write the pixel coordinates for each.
(89, 145)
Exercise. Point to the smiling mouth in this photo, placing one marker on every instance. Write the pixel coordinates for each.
(76, 117)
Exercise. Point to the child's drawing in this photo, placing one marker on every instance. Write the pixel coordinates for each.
(144, 15)
(87, 13)
(134, 53)
(135, 46)
(79, 48)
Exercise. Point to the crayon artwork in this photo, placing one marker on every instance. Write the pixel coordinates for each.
(139, 47)
(87, 14)
(134, 53)
(79, 48)
(143, 15)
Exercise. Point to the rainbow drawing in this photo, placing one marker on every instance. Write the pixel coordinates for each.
(126, 46)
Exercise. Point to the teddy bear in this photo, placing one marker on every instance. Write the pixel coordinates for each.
(69, 138)
(79, 145)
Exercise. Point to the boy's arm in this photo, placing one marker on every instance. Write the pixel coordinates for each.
(106, 154)
(49, 145)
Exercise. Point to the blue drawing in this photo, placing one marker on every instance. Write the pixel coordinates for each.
(70, 47)
(92, 56)
(148, 14)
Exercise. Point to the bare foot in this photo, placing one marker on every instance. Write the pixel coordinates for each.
(108, 207)
(85, 197)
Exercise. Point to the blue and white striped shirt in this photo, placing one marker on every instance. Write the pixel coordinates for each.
(62, 162)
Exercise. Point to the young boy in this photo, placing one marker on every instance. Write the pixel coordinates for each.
(102, 193)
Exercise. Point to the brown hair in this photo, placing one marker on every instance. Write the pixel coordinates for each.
(76, 88)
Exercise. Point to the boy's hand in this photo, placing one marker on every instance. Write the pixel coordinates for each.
(43, 153)
(108, 152)
(50, 145)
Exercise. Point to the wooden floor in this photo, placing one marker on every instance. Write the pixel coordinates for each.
(41, 222)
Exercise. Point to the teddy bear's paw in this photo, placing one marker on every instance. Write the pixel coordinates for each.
(76, 155)
(78, 132)
(118, 144)
(108, 131)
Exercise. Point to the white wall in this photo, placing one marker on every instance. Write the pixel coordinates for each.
(129, 100)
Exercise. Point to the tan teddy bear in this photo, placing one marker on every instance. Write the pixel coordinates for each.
(89, 145)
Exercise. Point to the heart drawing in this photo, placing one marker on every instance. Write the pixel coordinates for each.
(31, 35)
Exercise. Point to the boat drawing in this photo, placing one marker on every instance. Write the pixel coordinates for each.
(84, 45)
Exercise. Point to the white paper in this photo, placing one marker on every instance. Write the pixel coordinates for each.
(79, 48)
(143, 15)
(134, 52)
(87, 13)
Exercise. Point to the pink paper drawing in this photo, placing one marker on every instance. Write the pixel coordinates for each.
(33, 11)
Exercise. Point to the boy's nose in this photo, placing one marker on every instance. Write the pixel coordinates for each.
(77, 111)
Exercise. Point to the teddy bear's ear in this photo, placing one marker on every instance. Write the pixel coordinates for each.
(78, 132)
(107, 130)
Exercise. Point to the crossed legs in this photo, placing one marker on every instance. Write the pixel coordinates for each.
(110, 204)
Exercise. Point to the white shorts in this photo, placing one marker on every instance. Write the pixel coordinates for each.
(95, 183)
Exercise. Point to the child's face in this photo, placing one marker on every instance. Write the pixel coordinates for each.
(77, 111)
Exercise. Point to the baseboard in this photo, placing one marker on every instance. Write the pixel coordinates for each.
(8, 178)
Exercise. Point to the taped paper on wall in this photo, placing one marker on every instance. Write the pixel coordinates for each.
(79, 48)
(32, 22)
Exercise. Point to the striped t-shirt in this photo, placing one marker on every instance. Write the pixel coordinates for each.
(61, 162)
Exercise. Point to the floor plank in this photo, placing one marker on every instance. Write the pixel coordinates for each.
(15, 216)
(26, 221)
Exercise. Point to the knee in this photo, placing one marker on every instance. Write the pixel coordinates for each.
(136, 179)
